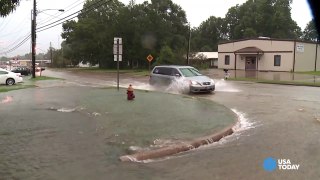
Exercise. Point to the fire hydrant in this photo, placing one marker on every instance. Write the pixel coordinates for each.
(130, 95)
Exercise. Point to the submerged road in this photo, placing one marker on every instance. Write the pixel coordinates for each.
(284, 124)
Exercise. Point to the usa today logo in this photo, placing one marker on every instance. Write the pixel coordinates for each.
(271, 164)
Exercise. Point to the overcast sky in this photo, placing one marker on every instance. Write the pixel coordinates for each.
(15, 27)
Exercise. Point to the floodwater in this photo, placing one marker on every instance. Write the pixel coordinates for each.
(67, 142)
(80, 132)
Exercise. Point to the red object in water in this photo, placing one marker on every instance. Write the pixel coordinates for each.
(130, 94)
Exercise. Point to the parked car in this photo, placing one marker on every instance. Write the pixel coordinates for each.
(9, 78)
(195, 81)
(22, 70)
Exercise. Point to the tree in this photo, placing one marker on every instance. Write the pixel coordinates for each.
(310, 33)
(91, 37)
(144, 28)
(166, 56)
(7, 6)
(208, 34)
(283, 25)
(270, 18)
(4, 58)
(232, 20)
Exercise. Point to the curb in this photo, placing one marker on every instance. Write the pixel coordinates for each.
(175, 149)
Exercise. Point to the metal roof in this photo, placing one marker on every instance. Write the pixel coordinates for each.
(208, 55)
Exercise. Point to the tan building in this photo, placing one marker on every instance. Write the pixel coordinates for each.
(266, 54)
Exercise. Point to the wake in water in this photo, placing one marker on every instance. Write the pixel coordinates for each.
(175, 148)
(243, 125)
(224, 86)
(180, 86)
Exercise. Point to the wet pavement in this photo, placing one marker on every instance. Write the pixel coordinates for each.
(264, 75)
(284, 124)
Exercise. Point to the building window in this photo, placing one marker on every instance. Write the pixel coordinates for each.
(277, 60)
(226, 59)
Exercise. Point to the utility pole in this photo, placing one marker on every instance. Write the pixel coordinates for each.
(188, 50)
(33, 37)
(51, 55)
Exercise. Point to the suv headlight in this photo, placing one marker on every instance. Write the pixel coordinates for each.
(194, 83)
(212, 81)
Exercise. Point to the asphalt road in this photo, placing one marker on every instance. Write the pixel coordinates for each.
(285, 125)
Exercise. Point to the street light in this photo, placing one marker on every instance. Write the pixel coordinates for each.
(33, 33)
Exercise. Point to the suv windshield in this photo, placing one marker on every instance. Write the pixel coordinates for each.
(189, 72)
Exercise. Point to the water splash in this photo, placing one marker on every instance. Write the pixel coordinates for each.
(138, 85)
(178, 86)
(317, 117)
(66, 110)
(243, 124)
(223, 86)
(160, 143)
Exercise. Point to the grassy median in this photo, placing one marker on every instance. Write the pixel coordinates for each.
(136, 72)
(315, 73)
(28, 82)
(5, 88)
(41, 78)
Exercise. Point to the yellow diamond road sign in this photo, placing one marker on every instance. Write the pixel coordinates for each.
(149, 58)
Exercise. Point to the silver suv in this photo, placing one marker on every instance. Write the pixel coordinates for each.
(190, 76)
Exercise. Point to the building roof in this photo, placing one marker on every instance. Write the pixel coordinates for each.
(208, 55)
(249, 50)
(267, 39)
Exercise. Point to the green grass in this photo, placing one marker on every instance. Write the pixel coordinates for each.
(296, 83)
(28, 83)
(5, 88)
(316, 73)
(41, 78)
(136, 72)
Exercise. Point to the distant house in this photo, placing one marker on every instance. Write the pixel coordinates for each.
(209, 58)
(267, 54)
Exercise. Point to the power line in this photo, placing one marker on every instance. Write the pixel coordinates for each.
(17, 46)
(87, 9)
(51, 25)
(3, 25)
(16, 41)
(66, 10)
(21, 24)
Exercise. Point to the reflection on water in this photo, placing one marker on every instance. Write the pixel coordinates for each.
(6, 100)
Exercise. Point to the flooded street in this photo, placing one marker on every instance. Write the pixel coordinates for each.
(65, 130)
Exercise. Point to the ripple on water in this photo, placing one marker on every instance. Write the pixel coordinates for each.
(22, 153)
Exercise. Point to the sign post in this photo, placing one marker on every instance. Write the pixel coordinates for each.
(149, 58)
(117, 54)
